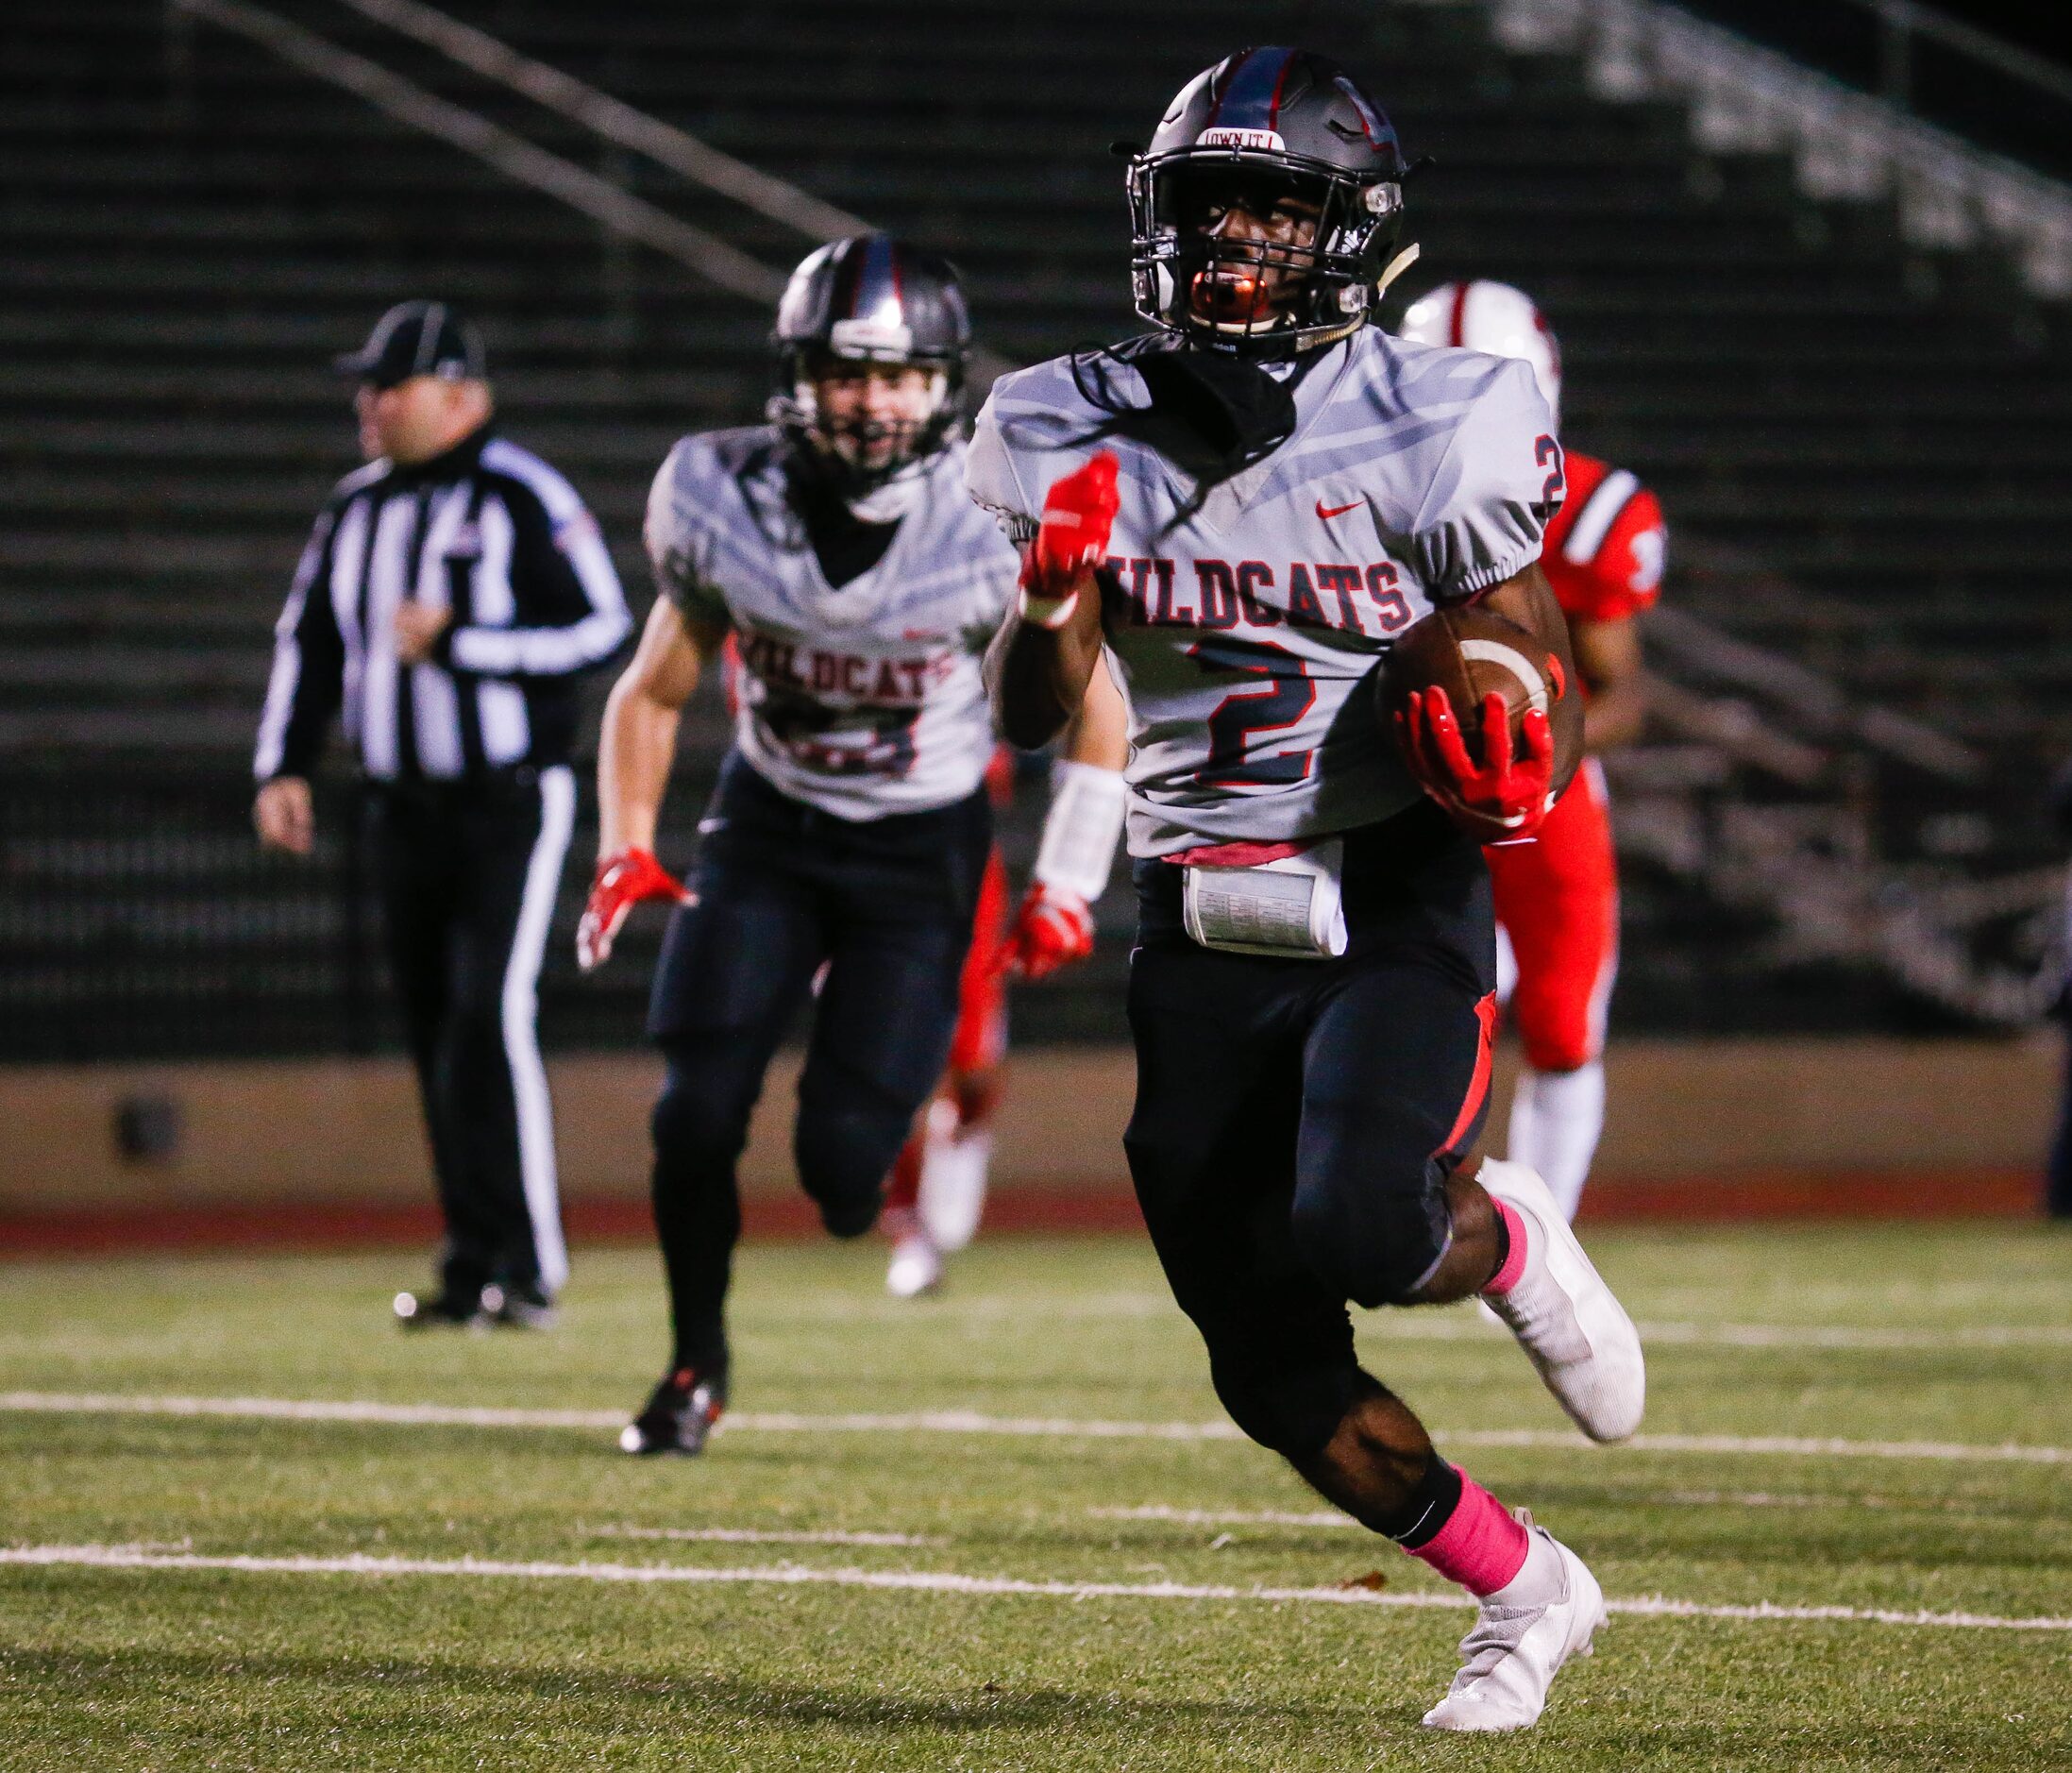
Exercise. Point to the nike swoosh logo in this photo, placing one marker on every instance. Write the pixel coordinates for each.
(1335, 511)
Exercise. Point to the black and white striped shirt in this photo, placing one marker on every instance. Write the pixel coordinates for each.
(487, 531)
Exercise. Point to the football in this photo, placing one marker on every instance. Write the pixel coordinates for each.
(1473, 650)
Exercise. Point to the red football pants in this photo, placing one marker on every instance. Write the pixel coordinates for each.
(1558, 898)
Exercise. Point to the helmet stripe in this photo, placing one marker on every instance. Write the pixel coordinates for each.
(1221, 93)
(848, 277)
(881, 281)
(1280, 83)
(1457, 327)
(1253, 98)
(1380, 131)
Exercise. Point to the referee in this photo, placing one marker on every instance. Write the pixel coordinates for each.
(451, 593)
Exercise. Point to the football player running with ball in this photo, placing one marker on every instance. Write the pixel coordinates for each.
(1245, 510)
(850, 826)
(1557, 896)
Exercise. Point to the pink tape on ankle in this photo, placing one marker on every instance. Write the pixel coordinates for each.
(1480, 1546)
(1514, 1262)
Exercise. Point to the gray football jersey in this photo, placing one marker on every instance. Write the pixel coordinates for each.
(1247, 633)
(861, 700)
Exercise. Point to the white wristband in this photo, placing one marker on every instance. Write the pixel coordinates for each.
(1081, 828)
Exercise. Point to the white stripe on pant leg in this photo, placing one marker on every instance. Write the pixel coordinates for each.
(521, 1006)
(1608, 972)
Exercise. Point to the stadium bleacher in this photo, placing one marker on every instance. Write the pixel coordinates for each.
(1858, 449)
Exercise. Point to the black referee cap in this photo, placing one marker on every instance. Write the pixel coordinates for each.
(419, 338)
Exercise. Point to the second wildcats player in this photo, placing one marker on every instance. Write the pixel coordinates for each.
(849, 832)
(936, 1195)
(1246, 510)
(1557, 896)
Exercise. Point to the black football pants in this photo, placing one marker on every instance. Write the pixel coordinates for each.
(1296, 1120)
(887, 905)
(467, 874)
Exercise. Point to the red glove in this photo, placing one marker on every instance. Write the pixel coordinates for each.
(1054, 928)
(621, 882)
(1500, 799)
(1078, 513)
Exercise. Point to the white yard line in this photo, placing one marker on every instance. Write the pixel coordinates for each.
(1783, 1445)
(1856, 1336)
(973, 1422)
(1438, 1326)
(1451, 1326)
(1167, 1514)
(1228, 1517)
(761, 1536)
(309, 1409)
(1459, 1326)
(942, 1582)
(969, 1422)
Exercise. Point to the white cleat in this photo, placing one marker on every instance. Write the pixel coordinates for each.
(915, 1267)
(1526, 1630)
(1565, 1317)
(953, 1168)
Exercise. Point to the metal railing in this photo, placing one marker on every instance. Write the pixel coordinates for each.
(1773, 795)
(1847, 145)
(1902, 23)
(609, 120)
(705, 254)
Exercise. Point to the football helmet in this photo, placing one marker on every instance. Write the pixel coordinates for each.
(1286, 137)
(869, 299)
(1495, 317)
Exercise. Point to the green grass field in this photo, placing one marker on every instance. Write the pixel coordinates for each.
(506, 1613)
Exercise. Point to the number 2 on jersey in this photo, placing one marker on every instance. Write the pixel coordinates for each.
(1283, 694)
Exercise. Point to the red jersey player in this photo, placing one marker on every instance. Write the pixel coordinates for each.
(937, 1192)
(1558, 893)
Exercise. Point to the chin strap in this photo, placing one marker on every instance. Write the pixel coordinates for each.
(1396, 267)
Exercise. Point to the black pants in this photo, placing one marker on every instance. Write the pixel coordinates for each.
(1296, 1120)
(887, 905)
(468, 873)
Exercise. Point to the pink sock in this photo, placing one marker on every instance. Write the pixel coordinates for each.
(1480, 1546)
(1514, 1262)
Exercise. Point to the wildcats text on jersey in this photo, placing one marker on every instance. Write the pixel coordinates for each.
(1222, 595)
(863, 698)
(777, 662)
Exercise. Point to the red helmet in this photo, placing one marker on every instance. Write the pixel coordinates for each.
(1493, 317)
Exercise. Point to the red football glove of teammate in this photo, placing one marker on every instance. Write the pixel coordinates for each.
(1503, 798)
(1054, 928)
(621, 882)
(1078, 513)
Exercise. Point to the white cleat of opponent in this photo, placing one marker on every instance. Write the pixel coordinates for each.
(1564, 1316)
(1545, 1615)
(954, 1162)
(915, 1267)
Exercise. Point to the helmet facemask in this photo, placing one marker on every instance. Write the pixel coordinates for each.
(852, 450)
(1258, 254)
